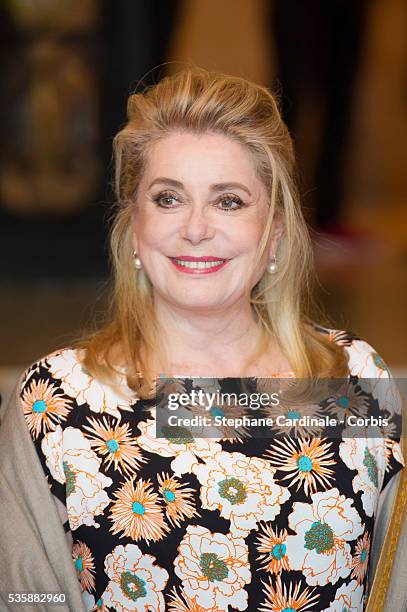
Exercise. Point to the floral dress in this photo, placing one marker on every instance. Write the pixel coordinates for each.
(208, 524)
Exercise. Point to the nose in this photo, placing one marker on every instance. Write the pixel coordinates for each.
(197, 227)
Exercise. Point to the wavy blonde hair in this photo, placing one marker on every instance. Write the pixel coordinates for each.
(199, 101)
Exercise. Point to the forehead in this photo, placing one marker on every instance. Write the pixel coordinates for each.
(207, 158)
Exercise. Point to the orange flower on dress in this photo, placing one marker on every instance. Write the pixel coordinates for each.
(281, 598)
(43, 407)
(137, 512)
(271, 544)
(84, 565)
(306, 462)
(360, 559)
(116, 445)
(178, 498)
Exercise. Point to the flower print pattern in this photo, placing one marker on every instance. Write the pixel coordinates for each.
(183, 603)
(285, 599)
(271, 545)
(241, 488)
(115, 444)
(321, 549)
(84, 565)
(44, 407)
(91, 605)
(368, 457)
(307, 462)
(51, 446)
(76, 382)
(213, 568)
(185, 448)
(360, 560)
(178, 498)
(292, 416)
(347, 400)
(217, 524)
(85, 484)
(137, 512)
(348, 599)
(136, 581)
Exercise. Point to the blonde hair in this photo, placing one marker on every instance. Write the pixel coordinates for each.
(199, 101)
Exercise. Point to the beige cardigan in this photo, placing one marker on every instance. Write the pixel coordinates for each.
(35, 555)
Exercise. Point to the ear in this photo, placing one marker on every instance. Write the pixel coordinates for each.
(277, 230)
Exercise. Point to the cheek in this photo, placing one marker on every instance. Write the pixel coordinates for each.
(248, 236)
(152, 233)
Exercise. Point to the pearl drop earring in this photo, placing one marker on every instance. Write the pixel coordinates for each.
(272, 265)
(137, 261)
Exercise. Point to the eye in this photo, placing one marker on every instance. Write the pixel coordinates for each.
(165, 199)
(231, 202)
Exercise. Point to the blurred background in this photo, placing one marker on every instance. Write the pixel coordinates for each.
(67, 67)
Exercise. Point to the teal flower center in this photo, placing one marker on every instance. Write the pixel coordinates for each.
(343, 401)
(288, 610)
(304, 463)
(278, 551)
(370, 462)
(233, 490)
(320, 537)
(132, 586)
(39, 406)
(212, 567)
(378, 361)
(138, 508)
(294, 415)
(217, 411)
(70, 480)
(79, 564)
(169, 495)
(363, 555)
(112, 445)
(177, 435)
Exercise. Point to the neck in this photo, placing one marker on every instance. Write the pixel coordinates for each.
(213, 342)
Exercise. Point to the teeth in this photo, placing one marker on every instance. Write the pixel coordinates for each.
(200, 265)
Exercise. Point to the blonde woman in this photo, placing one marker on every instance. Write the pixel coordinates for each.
(212, 279)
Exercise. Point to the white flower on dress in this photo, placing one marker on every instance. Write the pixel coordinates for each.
(320, 549)
(242, 489)
(136, 583)
(85, 494)
(368, 457)
(51, 446)
(364, 362)
(78, 383)
(349, 598)
(214, 569)
(186, 449)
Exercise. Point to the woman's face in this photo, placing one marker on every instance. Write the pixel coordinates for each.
(198, 220)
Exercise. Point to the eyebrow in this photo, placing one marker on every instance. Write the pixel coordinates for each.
(214, 187)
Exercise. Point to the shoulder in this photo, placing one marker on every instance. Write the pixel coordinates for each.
(363, 359)
(61, 366)
(44, 401)
(58, 382)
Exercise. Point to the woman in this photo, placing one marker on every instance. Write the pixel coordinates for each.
(212, 263)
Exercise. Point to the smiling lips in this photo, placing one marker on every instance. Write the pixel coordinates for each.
(198, 265)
